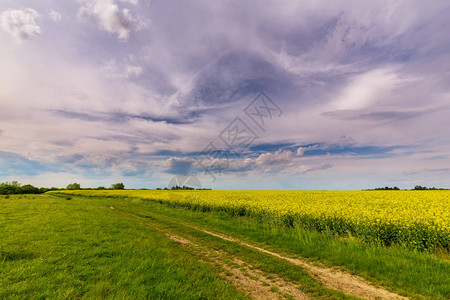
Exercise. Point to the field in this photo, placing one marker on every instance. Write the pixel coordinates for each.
(225, 245)
(417, 219)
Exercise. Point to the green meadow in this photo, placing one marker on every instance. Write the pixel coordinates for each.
(57, 246)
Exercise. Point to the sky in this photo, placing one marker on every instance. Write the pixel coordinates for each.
(225, 94)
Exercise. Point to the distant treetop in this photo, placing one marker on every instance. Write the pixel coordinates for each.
(118, 186)
(73, 186)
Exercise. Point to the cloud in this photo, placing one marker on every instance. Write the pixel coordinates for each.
(118, 117)
(374, 115)
(367, 88)
(278, 163)
(267, 162)
(133, 71)
(301, 150)
(108, 16)
(276, 158)
(20, 24)
(179, 166)
(375, 71)
(70, 159)
(54, 16)
(133, 2)
(346, 141)
(303, 169)
(220, 166)
(136, 167)
(123, 70)
(418, 172)
(12, 164)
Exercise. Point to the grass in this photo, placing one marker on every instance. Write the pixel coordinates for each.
(53, 248)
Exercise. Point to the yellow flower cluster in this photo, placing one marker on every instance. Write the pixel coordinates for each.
(420, 219)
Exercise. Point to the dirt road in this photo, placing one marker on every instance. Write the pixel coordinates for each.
(252, 281)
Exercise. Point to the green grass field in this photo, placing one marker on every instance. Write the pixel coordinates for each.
(89, 247)
(55, 248)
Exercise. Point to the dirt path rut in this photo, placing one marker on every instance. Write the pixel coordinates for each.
(332, 278)
(251, 281)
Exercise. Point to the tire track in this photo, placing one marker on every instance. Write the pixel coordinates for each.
(245, 277)
(332, 278)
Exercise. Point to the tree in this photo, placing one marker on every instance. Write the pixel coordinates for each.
(73, 186)
(29, 189)
(118, 186)
(420, 188)
(184, 187)
(8, 188)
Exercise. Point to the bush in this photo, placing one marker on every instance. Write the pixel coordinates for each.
(118, 186)
(73, 186)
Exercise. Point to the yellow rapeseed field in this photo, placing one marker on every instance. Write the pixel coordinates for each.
(419, 219)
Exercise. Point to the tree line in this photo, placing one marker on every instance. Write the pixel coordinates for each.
(14, 187)
(184, 187)
(416, 188)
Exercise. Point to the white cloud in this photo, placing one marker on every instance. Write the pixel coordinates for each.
(301, 151)
(133, 2)
(122, 70)
(368, 88)
(302, 169)
(108, 16)
(54, 15)
(133, 71)
(20, 24)
(276, 158)
(268, 162)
